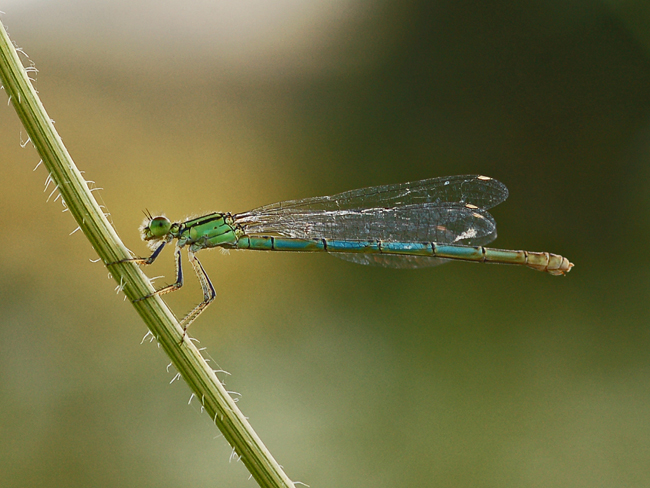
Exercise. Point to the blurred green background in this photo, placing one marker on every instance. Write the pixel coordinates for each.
(457, 376)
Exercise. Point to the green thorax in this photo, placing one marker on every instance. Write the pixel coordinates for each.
(212, 230)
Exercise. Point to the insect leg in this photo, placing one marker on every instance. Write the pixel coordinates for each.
(173, 286)
(148, 260)
(208, 291)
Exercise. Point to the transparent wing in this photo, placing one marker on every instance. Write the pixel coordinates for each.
(391, 261)
(442, 210)
(446, 223)
(482, 191)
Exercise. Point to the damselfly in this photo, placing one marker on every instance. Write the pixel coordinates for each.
(407, 225)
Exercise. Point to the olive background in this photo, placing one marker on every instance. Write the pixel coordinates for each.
(462, 375)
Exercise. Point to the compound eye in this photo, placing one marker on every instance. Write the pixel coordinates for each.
(159, 226)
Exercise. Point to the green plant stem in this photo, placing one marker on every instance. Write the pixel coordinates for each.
(156, 315)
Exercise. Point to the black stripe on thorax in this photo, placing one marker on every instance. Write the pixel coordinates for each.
(210, 218)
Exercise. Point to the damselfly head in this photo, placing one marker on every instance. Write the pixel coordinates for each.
(154, 228)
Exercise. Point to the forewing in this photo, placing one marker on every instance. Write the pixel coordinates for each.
(481, 191)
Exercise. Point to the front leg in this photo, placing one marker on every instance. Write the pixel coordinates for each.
(148, 260)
